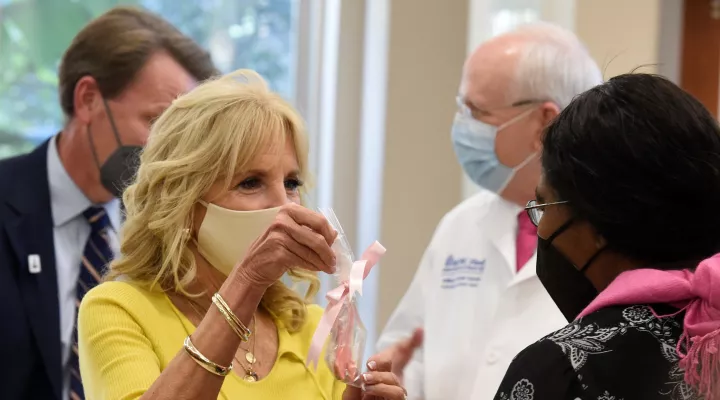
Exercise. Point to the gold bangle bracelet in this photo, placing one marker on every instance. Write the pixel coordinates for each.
(240, 329)
(242, 335)
(220, 302)
(203, 361)
(237, 326)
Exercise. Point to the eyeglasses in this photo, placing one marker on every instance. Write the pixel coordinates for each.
(466, 111)
(535, 211)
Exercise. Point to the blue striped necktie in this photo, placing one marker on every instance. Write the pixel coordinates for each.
(96, 256)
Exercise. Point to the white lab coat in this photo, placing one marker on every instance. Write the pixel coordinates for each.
(477, 312)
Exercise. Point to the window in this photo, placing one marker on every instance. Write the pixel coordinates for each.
(256, 34)
(509, 14)
(505, 20)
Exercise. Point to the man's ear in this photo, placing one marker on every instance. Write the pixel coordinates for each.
(549, 111)
(86, 99)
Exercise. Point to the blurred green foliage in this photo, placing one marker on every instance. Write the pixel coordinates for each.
(255, 34)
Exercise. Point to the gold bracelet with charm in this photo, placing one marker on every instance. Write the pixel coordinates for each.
(240, 329)
(203, 361)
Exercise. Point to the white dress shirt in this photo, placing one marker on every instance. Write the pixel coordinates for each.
(70, 234)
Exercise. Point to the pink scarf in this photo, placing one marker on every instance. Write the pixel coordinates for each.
(698, 294)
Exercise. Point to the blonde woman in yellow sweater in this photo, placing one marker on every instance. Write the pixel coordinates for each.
(213, 222)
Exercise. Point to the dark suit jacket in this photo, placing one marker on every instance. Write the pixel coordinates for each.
(30, 348)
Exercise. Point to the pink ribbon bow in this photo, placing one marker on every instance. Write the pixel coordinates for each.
(336, 298)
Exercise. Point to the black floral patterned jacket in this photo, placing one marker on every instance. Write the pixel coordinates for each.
(616, 353)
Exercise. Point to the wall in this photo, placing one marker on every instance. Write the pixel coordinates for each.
(421, 179)
(670, 38)
(623, 35)
(620, 35)
(379, 92)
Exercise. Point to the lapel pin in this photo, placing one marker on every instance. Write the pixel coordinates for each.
(34, 265)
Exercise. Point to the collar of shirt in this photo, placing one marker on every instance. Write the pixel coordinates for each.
(66, 199)
(293, 343)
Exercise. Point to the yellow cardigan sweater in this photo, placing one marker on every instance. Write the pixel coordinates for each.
(128, 335)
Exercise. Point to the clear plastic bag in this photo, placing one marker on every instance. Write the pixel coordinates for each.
(345, 347)
(346, 344)
(341, 322)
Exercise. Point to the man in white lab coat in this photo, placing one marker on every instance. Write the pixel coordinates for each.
(475, 300)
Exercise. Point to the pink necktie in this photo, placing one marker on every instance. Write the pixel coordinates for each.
(526, 239)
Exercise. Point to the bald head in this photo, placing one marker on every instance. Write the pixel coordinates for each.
(534, 62)
(489, 71)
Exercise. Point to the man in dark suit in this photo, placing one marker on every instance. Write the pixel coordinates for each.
(59, 212)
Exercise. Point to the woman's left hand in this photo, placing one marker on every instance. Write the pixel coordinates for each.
(379, 382)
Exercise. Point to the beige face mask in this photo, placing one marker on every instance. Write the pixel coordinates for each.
(225, 235)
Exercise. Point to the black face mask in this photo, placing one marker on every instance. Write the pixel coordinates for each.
(118, 171)
(567, 285)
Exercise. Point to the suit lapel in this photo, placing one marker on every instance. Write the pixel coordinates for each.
(31, 237)
(527, 272)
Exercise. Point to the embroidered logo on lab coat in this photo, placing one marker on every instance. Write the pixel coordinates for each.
(462, 272)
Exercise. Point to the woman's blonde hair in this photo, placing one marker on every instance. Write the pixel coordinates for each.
(207, 134)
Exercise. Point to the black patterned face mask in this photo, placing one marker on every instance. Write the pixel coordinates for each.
(566, 284)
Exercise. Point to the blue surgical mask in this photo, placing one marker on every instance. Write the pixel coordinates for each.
(474, 144)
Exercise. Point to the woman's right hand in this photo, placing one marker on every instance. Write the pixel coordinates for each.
(299, 237)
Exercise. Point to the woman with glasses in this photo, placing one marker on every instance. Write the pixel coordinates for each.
(628, 228)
